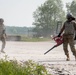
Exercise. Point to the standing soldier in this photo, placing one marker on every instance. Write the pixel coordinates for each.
(2, 34)
(69, 28)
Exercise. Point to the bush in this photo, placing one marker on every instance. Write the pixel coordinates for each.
(24, 68)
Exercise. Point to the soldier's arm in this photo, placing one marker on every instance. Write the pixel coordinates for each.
(4, 30)
(62, 29)
(75, 25)
(75, 30)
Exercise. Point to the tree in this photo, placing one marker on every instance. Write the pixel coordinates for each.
(72, 7)
(46, 17)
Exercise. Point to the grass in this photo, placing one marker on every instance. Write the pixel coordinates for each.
(27, 39)
(25, 68)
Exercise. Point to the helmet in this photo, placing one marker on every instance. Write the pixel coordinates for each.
(1, 20)
(69, 15)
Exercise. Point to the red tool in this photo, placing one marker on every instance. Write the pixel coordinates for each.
(58, 40)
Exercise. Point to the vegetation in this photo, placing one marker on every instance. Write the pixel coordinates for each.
(27, 39)
(71, 7)
(12, 30)
(24, 68)
(46, 17)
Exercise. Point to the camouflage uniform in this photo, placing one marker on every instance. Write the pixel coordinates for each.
(69, 29)
(2, 34)
(68, 37)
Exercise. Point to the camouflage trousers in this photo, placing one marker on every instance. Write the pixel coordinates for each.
(3, 39)
(68, 40)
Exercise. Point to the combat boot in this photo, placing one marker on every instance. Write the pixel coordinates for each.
(68, 58)
(2, 51)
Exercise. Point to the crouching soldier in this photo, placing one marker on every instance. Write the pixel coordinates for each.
(2, 35)
(69, 28)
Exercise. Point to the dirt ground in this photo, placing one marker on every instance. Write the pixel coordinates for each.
(55, 59)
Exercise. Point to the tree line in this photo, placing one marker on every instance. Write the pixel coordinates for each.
(46, 17)
(15, 30)
(49, 13)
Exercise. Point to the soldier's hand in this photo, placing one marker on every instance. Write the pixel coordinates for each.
(4, 35)
(75, 37)
(59, 35)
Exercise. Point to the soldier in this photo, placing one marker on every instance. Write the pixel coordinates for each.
(69, 28)
(2, 34)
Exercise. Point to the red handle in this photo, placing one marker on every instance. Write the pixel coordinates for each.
(58, 40)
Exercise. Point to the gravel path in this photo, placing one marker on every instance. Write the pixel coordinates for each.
(54, 60)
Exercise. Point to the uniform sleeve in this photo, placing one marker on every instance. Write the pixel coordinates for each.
(75, 25)
(75, 30)
(4, 29)
(62, 29)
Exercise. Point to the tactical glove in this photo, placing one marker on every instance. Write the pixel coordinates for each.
(59, 35)
(75, 37)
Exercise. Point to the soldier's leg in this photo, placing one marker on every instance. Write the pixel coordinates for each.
(3, 44)
(65, 47)
(71, 43)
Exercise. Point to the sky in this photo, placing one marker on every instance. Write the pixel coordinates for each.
(20, 12)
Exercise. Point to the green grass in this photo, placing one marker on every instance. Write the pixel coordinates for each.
(25, 68)
(27, 39)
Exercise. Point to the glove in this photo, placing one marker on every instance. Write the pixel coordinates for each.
(59, 35)
(75, 37)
